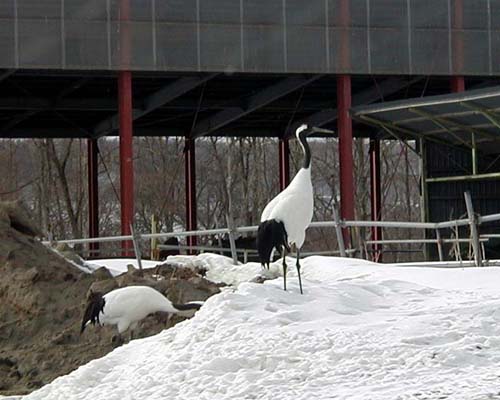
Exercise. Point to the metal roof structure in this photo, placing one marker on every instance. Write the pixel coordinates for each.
(458, 139)
(229, 67)
(71, 104)
(468, 119)
(424, 37)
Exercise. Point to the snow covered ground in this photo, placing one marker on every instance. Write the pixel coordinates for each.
(219, 268)
(118, 266)
(360, 331)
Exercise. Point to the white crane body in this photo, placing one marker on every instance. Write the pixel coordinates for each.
(294, 207)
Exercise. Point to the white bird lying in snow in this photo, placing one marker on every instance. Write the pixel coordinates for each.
(125, 307)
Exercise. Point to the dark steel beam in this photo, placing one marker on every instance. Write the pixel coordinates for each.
(173, 91)
(154, 101)
(6, 73)
(259, 100)
(111, 105)
(48, 105)
(71, 88)
(378, 92)
(17, 120)
(42, 104)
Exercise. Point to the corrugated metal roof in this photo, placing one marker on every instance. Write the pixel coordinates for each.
(457, 119)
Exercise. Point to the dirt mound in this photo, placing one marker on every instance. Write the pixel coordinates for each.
(42, 298)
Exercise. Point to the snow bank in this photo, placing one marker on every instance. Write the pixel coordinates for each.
(220, 269)
(360, 331)
(117, 266)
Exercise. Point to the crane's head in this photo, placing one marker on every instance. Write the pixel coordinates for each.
(306, 130)
(300, 129)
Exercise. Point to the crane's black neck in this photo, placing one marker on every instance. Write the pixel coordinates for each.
(306, 163)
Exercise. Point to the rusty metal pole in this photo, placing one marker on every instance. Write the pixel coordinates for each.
(93, 193)
(457, 84)
(344, 122)
(457, 80)
(457, 26)
(284, 163)
(126, 135)
(346, 166)
(476, 245)
(126, 160)
(376, 197)
(190, 179)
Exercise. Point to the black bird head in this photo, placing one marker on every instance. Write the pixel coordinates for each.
(95, 304)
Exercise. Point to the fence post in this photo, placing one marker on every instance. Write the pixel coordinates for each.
(232, 243)
(154, 241)
(439, 245)
(473, 229)
(338, 230)
(135, 240)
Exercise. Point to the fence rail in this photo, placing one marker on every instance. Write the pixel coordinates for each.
(475, 240)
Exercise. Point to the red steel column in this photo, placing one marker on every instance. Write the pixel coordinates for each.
(344, 127)
(190, 175)
(375, 196)
(344, 122)
(457, 26)
(344, 22)
(284, 163)
(457, 84)
(93, 191)
(125, 121)
(126, 154)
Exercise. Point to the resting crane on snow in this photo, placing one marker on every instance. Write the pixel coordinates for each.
(286, 217)
(125, 307)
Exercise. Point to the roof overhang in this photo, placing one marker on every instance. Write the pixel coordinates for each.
(467, 119)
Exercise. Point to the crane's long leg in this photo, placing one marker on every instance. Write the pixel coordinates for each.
(284, 268)
(298, 271)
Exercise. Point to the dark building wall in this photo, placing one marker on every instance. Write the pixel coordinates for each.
(265, 36)
(446, 199)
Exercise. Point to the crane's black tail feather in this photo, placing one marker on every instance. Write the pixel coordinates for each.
(271, 234)
(187, 306)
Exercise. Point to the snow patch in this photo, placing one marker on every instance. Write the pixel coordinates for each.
(360, 331)
(118, 266)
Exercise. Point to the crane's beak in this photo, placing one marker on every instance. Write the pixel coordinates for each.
(315, 129)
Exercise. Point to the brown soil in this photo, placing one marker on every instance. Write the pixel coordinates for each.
(43, 296)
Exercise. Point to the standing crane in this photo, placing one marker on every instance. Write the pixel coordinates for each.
(286, 217)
